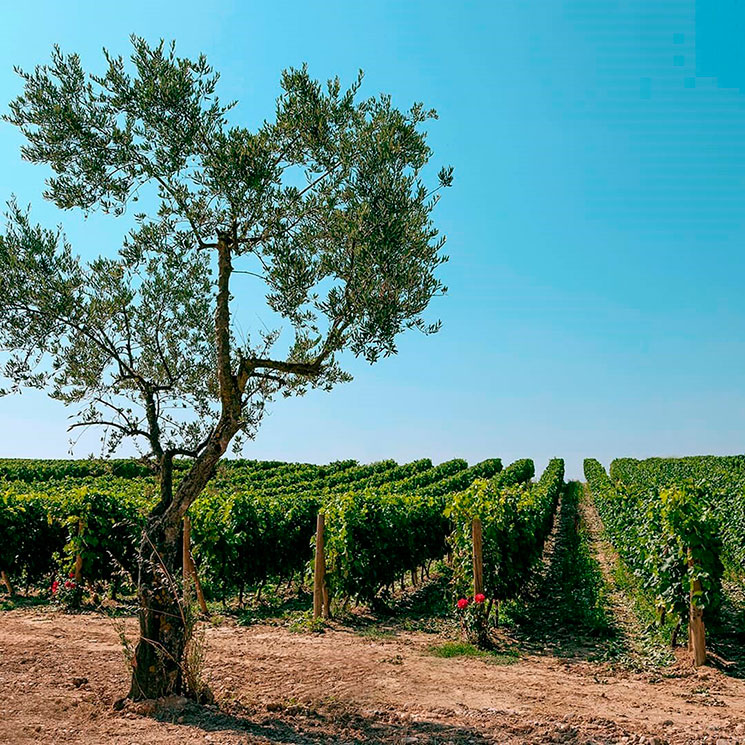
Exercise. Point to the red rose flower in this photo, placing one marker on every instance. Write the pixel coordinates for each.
(72, 574)
(462, 604)
(69, 584)
(55, 586)
(479, 598)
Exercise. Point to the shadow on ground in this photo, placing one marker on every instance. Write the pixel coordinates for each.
(299, 725)
(727, 637)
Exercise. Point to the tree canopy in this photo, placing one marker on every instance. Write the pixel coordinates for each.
(323, 206)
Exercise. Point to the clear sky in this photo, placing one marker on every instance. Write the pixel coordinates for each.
(596, 227)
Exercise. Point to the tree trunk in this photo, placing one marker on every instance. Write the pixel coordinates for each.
(165, 623)
(165, 627)
(158, 659)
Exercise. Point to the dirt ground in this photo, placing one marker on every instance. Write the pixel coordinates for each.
(61, 674)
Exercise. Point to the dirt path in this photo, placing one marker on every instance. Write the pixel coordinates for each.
(564, 608)
(617, 602)
(60, 675)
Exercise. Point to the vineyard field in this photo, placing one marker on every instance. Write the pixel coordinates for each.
(399, 543)
(254, 523)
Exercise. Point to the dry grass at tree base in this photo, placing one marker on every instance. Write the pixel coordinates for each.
(60, 675)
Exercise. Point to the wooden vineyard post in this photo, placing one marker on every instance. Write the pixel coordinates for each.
(6, 581)
(481, 637)
(198, 585)
(320, 592)
(696, 629)
(478, 558)
(79, 557)
(185, 558)
(190, 569)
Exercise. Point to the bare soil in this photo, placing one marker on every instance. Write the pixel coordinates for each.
(60, 676)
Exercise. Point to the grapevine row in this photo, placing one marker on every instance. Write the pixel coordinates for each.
(667, 534)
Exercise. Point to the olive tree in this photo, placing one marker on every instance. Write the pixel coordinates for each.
(320, 216)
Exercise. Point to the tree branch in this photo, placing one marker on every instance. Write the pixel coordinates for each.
(105, 423)
(249, 365)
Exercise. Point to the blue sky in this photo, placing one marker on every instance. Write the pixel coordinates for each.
(596, 226)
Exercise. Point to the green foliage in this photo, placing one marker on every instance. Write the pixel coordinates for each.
(30, 538)
(720, 481)
(516, 517)
(323, 204)
(374, 535)
(47, 528)
(449, 650)
(103, 526)
(245, 538)
(667, 536)
(519, 472)
(23, 469)
(463, 479)
(255, 522)
(427, 478)
(372, 538)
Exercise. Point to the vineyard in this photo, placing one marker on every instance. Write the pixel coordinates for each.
(255, 523)
(678, 526)
(499, 558)
(449, 235)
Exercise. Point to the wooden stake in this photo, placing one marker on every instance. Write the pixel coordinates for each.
(200, 594)
(320, 595)
(696, 629)
(79, 557)
(190, 568)
(478, 558)
(6, 581)
(185, 558)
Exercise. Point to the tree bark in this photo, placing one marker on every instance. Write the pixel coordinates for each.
(157, 664)
(158, 659)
